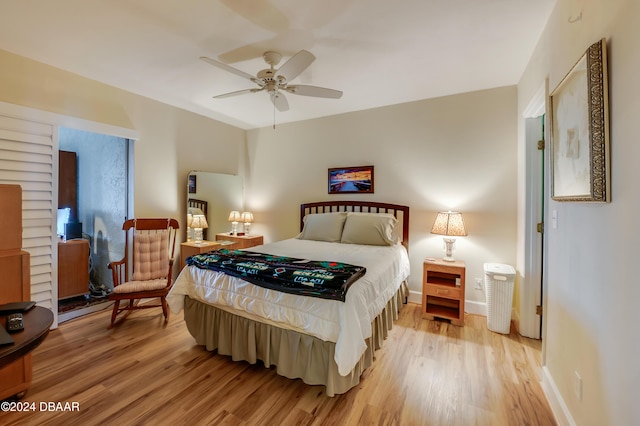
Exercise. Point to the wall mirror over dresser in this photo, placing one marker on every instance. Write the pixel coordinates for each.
(212, 196)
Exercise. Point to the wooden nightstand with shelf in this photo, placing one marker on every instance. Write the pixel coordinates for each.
(240, 241)
(443, 290)
(191, 248)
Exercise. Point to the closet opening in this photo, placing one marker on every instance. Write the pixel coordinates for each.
(93, 202)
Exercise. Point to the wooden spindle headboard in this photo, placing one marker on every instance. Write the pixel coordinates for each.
(400, 212)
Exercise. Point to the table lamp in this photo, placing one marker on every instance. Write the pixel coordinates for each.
(247, 219)
(450, 225)
(198, 223)
(234, 218)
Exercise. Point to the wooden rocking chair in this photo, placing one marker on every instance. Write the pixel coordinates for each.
(151, 264)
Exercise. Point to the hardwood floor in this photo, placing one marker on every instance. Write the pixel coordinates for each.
(427, 373)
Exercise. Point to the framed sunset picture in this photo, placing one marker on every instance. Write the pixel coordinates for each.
(351, 180)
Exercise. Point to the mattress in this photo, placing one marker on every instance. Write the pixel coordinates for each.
(347, 324)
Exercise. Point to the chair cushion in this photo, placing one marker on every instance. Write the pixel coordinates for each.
(135, 286)
(151, 255)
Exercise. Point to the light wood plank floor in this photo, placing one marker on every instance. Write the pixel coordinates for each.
(427, 373)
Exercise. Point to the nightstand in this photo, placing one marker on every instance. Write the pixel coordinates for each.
(443, 290)
(240, 241)
(191, 248)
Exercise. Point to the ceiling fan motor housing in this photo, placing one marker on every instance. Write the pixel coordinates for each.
(266, 77)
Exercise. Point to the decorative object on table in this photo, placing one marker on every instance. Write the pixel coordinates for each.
(198, 223)
(247, 219)
(450, 225)
(580, 131)
(351, 180)
(234, 218)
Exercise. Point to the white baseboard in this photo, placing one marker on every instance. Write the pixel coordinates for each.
(475, 308)
(558, 407)
(415, 297)
(66, 316)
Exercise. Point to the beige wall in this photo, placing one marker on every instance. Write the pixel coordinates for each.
(171, 141)
(591, 288)
(456, 152)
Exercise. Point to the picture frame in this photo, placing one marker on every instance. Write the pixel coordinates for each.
(351, 180)
(579, 124)
(192, 184)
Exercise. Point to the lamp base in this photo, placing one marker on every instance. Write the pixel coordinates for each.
(449, 244)
(198, 234)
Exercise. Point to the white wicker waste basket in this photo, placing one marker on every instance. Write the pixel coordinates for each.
(498, 279)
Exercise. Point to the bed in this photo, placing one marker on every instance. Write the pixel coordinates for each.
(321, 341)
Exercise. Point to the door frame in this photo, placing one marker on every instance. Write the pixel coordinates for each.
(59, 120)
(532, 283)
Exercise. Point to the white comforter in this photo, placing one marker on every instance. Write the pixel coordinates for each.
(347, 323)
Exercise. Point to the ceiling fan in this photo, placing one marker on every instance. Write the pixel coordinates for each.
(276, 81)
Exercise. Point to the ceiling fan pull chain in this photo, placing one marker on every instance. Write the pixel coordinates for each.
(274, 116)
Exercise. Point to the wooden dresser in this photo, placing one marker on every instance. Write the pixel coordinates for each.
(192, 248)
(240, 241)
(73, 268)
(15, 285)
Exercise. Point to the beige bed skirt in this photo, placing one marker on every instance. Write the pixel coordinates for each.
(295, 355)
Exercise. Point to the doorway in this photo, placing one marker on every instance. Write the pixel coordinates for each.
(531, 285)
(531, 291)
(101, 205)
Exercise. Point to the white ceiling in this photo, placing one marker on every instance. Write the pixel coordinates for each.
(378, 52)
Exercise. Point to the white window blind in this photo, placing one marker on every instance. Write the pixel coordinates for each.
(26, 159)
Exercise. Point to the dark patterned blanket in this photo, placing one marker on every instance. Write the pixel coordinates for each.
(324, 279)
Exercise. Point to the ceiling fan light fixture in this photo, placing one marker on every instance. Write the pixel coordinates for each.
(276, 80)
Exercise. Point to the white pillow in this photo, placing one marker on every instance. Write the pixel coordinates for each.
(323, 226)
(374, 229)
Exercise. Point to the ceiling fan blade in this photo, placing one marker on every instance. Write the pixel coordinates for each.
(318, 92)
(279, 101)
(238, 92)
(295, 65)
(228, 68)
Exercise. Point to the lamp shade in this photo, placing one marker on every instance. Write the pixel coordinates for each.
(247, 217)
(199, 221)
(449, 224)
(234, 216)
